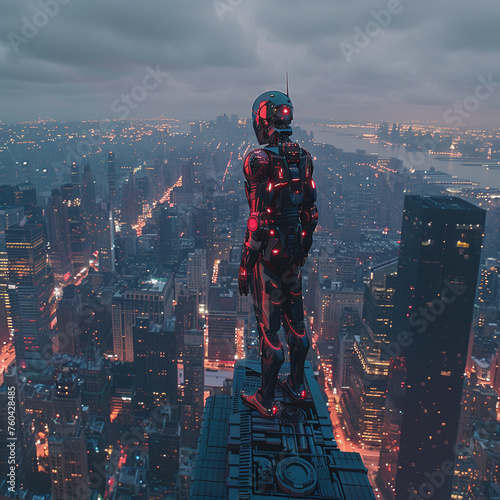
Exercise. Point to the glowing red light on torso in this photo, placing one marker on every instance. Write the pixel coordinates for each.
(253, 223)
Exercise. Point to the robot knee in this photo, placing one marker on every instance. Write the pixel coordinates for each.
(272, 350)
(297, 336)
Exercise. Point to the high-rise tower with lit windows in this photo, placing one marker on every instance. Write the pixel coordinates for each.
(434, 298)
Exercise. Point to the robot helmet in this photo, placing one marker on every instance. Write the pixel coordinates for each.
(272, 112)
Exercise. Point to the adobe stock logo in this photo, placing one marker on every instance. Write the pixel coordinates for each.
(32, 25)
(223, 8)
(373, 28)
(150, 82)
(461, 110)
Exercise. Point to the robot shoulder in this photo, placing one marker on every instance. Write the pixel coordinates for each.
(307, 160)
(304, 152)
(255, 162)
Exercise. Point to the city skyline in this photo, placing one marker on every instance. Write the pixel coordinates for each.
(136, 231)
(393, 60)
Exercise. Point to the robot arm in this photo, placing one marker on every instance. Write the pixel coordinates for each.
(255, 168)
(309, 212)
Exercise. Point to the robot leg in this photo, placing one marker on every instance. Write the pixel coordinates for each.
(298, 343)
(267, 312)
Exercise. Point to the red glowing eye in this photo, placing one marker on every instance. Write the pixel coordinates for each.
(286, 111)
(268, 210)
(271, 232)
(275, 410)
(253, 223)
(280, 173)
(276, 251)
(303, 234)
(303, 394)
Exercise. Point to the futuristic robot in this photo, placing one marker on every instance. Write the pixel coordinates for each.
(281, 195)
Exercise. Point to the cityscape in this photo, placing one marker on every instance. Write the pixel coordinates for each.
(122, 325)
(205, 299)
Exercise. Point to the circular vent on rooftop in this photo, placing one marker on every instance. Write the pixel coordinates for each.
(293, 415)
(296, 476)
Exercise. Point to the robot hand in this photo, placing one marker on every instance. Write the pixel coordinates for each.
(243, 281)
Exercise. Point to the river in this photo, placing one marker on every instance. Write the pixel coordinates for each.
(351, 139)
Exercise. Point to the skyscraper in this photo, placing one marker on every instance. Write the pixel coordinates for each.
(8, 217)
(67, 450)
(151, 298)
(25, 196)
(88, 203)
(191, 395)
(155, 364)
(80, 241)
(221, 335)
(30, 289)
(61, 256)
(112, 180)
(434, 299)
(197, 273)
(68, 328)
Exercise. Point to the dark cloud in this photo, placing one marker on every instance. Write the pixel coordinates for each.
(426, 56)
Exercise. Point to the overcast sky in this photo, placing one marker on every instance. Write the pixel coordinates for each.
(346, 59)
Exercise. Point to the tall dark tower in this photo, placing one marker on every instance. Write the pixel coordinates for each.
(112, 180)
(8, 217)
(80, 241)
(435, 289)
(75, 173)
(7, 198)
(30, 290)
(61, 256)
(25, 196)
(88, 203)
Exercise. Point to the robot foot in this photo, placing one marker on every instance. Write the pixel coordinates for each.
(297, 393)
(254, 402)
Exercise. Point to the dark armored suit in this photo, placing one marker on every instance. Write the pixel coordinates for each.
(281, 195)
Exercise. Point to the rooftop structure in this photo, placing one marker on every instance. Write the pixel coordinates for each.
(244, 456)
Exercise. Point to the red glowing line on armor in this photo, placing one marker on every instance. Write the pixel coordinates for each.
(275, 410)
(280, 173)
(270, 186)
(313, 184)
(271, 345)
(287, 319)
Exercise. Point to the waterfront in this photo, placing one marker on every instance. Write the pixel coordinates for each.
(351, 139)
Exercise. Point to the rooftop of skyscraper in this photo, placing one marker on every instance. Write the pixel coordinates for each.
(241, 455)
(445, 202)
